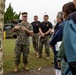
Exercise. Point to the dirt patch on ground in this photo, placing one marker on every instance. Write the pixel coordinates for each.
(42, 71)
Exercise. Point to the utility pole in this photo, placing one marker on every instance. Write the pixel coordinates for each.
(2, 6)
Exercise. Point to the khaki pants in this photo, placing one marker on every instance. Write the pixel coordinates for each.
(35, 40)
(46, 44)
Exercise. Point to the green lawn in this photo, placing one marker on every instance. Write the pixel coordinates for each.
(34, 63)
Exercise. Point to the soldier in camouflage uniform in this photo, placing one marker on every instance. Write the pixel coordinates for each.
(45, 29)
(2, 6)
(22, 42)
(35, 37)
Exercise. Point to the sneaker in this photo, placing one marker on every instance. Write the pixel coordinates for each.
(26, 68)
(16, 69)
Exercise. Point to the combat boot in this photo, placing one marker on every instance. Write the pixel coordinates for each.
(26, 68)
(39, 56)
(16, 69)
(47, 58)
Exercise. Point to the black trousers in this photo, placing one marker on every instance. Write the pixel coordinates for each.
(72, 66)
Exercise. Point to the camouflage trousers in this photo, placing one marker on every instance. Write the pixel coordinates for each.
(24, 49)
(46, 44)
(35, 40)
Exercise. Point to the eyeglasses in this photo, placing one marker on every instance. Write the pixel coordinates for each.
(24, 16)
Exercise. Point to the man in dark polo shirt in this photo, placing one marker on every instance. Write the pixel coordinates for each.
(35, 37)
(45, 29)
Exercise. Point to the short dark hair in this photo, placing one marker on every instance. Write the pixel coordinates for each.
(23, 13)
(68, 8)
(35, 16)
(46, 16)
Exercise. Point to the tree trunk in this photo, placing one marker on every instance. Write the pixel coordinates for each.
(2, 6)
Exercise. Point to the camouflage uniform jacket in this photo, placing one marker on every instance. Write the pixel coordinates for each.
(22, 35)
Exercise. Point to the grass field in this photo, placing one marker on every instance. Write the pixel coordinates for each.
(34, 63)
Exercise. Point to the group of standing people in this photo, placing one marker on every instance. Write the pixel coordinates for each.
(62, 43)
(40, 32)
(41, 35)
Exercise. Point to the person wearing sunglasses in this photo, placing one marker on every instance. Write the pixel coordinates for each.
(23, 31)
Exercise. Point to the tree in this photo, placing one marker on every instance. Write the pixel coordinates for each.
(10, 14)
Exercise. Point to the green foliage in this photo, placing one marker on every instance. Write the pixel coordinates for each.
(10, 14)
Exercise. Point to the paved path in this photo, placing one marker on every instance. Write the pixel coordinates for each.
(43, 71)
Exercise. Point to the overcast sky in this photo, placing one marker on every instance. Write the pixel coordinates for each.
(38, 7)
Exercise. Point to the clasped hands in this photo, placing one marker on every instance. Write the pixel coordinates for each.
(18, 27)
(43, 34)
(23, 28)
